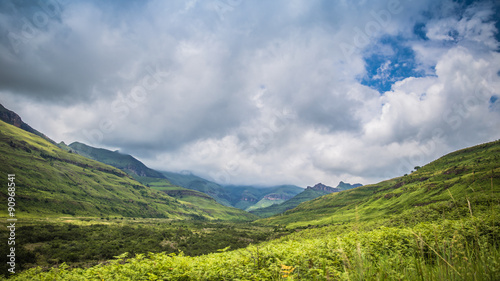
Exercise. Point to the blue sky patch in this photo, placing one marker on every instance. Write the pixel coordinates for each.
(389, 61)
(494, 105)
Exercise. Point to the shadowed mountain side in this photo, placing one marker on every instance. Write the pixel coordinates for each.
(123, 162)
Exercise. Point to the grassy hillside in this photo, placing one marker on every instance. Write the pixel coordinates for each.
(124, 162)
(449, 250)
(445, 186)
(53, 182)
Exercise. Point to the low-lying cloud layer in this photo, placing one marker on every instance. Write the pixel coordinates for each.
(258, 92)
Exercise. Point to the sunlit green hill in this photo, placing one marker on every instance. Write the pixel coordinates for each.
(445, 186)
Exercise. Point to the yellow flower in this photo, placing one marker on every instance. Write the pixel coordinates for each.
(286, 270)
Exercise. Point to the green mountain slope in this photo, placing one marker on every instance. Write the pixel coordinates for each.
(51, 181)
(157, 181)
(276, 195)
(123, 162)
(468, 177)
(304, 196)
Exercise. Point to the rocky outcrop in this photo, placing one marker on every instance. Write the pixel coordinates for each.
(345, 186)
(322, 187)
(13, 118)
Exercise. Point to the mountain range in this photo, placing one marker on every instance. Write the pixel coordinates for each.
(242, 197)
(188, 190)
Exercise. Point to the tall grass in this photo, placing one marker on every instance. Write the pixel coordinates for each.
(466, 249)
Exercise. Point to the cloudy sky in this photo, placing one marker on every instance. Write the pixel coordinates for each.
(258, 92)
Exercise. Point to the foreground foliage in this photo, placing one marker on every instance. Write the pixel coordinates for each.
(462, 249)
(88, 242)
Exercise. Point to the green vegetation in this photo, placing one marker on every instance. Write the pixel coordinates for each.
(84, 242)
(439, 223)
(76, 214)
(441, 188)
(264, 203)
(462, 249)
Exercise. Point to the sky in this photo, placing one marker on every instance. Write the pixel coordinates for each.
(258, 92)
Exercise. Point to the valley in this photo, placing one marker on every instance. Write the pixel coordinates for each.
(89, 213)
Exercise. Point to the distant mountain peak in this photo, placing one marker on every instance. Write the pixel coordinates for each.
(322, 187)
(344, 186)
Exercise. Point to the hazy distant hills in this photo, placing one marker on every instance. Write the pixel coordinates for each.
(310, 193)
(189, 189)
(76, 178)
(251, 197)
(241, 197)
